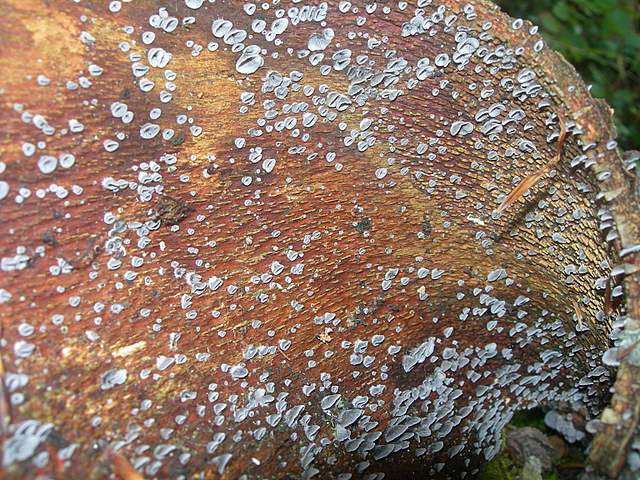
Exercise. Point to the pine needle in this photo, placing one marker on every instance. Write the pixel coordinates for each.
(578, 312)
(122, 468)
(531, 180)
(608, 303)
(5, 410)
(522, 187)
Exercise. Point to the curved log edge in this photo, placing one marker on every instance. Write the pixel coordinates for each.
(260, 241)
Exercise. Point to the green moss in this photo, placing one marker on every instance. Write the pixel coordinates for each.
(501, 467)
(505, 467)
(552, 476)
(529, 418)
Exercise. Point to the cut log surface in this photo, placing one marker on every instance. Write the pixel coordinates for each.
(259, 240)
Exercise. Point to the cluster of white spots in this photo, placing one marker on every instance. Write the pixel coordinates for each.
(24, 442)
(271, 255)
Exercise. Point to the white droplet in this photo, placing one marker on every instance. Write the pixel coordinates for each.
(113, 377)
(4, 189)
(250, 60)
(221, 27)
(461, 128)
(149, 130)
(381, 173)
(67, 160)
(47, 164)
(194, 4)
(269, 164)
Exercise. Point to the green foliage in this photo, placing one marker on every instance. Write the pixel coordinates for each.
(529, 418)
(602, 39)
(504, 466)
(501, 467)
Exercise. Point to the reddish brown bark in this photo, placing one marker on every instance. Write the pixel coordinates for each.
(325, 247)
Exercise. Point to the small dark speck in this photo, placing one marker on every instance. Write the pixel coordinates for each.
(171, 210)
(49, 239)
(56, 439)
(31, 262)
(363, 225)
(394, 307)
(426, 226)
(470, 271)
(179, 140)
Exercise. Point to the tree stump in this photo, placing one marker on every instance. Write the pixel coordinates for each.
(261, 240)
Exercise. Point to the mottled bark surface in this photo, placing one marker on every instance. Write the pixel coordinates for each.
(285, 260)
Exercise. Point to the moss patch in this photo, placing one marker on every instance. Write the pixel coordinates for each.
(505, 466)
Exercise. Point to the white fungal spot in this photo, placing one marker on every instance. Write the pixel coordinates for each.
(4, 189)
(250, 60)
(112, 378)
(26, 438)
(194, 4)
(158, 57)
(149, 130)
(220, 27)
(320, 41)
(461, 128)
(47, 164)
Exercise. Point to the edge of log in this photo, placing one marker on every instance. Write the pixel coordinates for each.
(619, 422)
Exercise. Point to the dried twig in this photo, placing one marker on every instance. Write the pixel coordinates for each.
(535, 177)
(121, 466)
(579, 315)
(5, 408)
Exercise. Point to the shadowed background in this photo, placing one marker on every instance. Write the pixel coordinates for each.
(601, 38)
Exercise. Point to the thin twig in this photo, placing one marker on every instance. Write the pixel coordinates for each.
(531, 180)
(121, 466)
(5, 409)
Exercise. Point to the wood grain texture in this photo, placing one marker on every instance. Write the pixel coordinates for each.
(307, 277)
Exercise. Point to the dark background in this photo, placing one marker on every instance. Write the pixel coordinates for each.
(602, 39)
